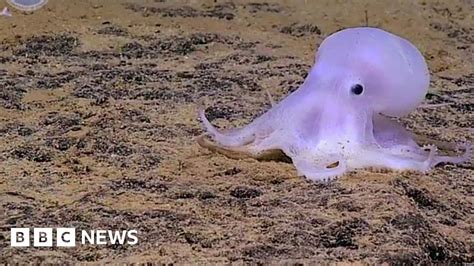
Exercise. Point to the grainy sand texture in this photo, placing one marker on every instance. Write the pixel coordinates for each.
(98, 120)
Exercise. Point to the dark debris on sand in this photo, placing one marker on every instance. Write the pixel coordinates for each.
(48, 45)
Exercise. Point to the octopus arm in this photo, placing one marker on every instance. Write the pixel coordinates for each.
(399, 150)
(319, 171)
(232, 138)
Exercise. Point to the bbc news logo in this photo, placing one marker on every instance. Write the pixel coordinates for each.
(66, 237)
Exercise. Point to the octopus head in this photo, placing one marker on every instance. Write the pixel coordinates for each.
(373, 68)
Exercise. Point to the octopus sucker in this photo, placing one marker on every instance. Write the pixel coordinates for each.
(342, 118)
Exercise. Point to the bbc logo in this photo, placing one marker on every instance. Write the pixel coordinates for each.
(43, 237)
(66, 237)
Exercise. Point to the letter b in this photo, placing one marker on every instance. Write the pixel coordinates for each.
(43, 237)
(20, 237)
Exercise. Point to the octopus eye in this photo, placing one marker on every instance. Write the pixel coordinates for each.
(357, 89)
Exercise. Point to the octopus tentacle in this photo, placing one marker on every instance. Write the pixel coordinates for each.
(408, 158)
(428, 153)
(319, 172)
(444, 145)
(242, 152)
(395, 159)
(233, 139)
(455, 159)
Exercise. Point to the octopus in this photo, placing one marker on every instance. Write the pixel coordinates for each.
(342, 117)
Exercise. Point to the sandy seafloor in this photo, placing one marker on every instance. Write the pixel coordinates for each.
(98, 103)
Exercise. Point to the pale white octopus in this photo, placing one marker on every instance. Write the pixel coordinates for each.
(338, 120)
